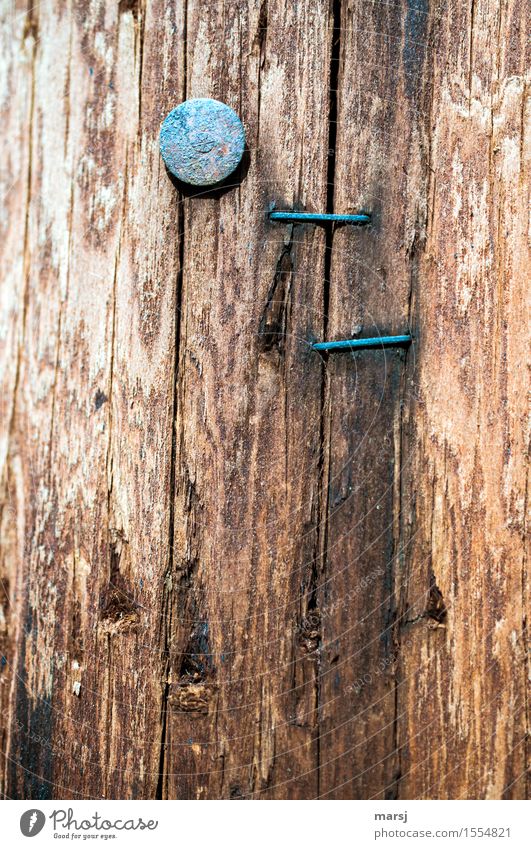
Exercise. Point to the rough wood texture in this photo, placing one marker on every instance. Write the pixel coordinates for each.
(231, 568)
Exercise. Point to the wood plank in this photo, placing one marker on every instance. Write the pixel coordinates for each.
(461, 706)
(381, 167)
(16, 74)
(242, 717)
(93, 414)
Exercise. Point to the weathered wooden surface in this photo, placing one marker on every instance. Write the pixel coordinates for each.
(231, 569)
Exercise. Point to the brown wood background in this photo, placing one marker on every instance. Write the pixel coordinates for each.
(229, 568)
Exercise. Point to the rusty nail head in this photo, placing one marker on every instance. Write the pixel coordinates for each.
(202, 141)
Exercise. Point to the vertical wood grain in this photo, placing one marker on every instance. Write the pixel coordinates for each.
(91, 443)
(462, 685)
(380, 165)
(242, 705)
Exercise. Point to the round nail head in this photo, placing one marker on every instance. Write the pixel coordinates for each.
(202, 141)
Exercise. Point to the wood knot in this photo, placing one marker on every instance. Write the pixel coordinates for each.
(191, 698)
(119, 612)
(309, 632)
(435, 608)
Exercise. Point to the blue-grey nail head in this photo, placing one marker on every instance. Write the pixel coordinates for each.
(202, 141)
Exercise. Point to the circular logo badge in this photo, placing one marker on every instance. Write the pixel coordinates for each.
(31, 822)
